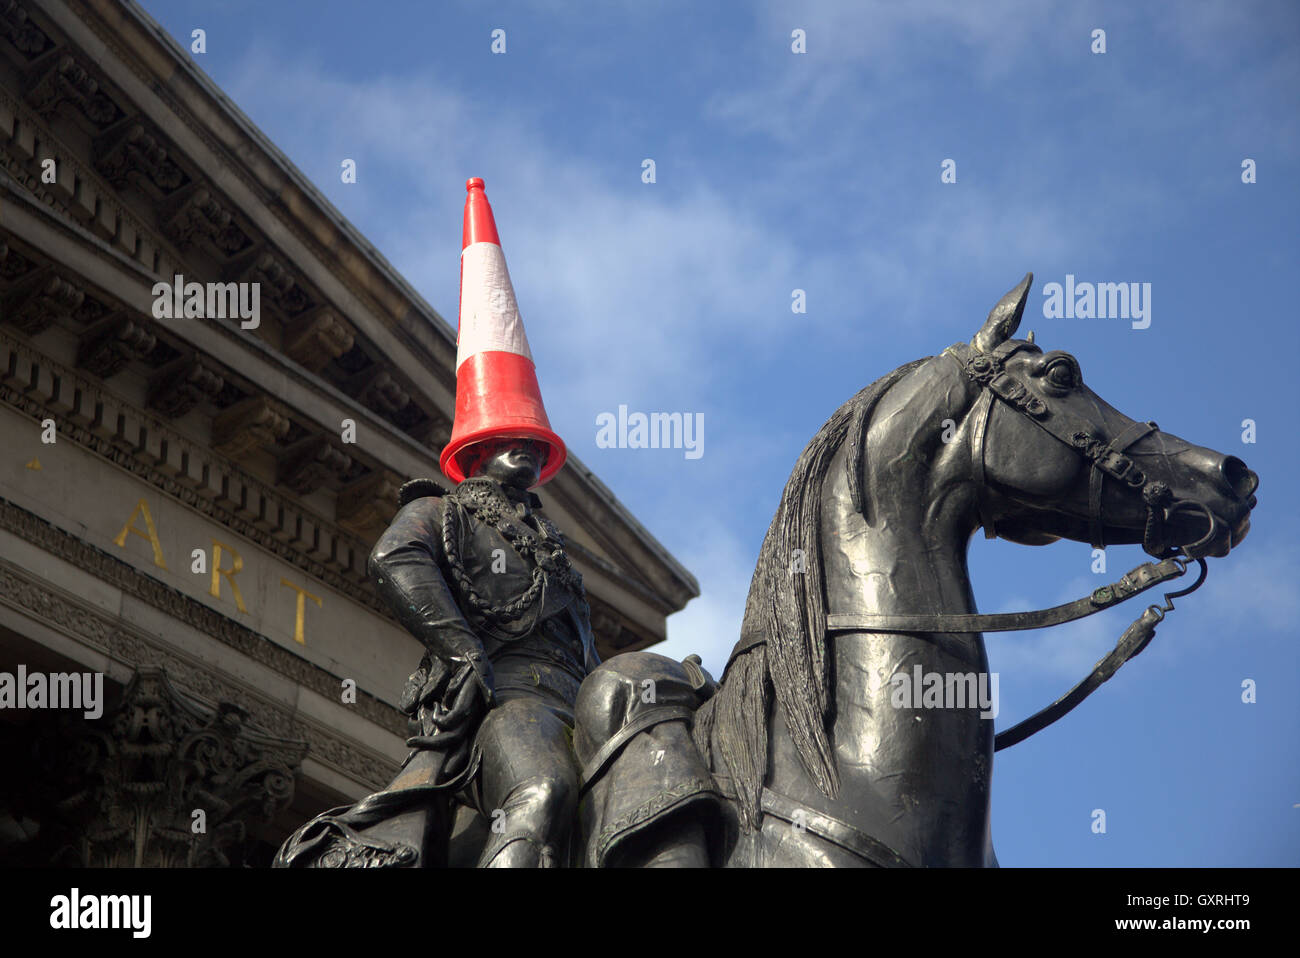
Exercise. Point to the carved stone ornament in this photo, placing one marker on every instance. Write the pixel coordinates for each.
(15, 27)
(106, 347)
(311, 463)
(132, 153)
(277, 282)
(247, 426)
(161, 780)
(178, 387)
(316, 339)
(62, 79)
(197, 213)
(33, 305)
(367, 503)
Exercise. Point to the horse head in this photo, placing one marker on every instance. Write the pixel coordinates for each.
(1052, 459)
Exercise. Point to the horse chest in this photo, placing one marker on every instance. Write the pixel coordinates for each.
(917, 779)
(879, 721)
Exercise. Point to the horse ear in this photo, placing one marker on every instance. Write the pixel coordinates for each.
(1004, 318)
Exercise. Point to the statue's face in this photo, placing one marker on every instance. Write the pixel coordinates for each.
(512, 462)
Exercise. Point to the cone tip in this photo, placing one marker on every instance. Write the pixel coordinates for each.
(474, 182)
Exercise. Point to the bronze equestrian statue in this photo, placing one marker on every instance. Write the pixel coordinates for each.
(800, 754)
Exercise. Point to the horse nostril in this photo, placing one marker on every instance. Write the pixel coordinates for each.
(1239, 479)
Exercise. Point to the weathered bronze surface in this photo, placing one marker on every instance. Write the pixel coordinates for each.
(797, 756)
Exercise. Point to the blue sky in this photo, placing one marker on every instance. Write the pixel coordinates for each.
(821, 171)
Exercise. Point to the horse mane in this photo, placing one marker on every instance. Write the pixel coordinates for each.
(787, 608)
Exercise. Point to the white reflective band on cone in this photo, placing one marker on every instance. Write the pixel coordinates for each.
(489, 314)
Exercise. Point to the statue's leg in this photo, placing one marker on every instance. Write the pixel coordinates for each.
(529, 784)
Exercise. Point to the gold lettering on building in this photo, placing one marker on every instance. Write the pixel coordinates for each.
(299, 634)
(236, 565)
(221, 551)
(142, 508)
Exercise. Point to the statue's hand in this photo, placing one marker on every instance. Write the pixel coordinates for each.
(468, 695)
(455, 716)
(476, 665)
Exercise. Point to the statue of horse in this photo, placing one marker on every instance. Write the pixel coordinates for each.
(801, 754)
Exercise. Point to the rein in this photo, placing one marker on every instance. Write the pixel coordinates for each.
(1134, 639)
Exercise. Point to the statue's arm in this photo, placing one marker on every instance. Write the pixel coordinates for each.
(404, 566)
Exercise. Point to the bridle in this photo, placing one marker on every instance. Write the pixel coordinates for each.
(1107, 460)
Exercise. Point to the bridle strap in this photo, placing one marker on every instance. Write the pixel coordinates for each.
(987, 372)
(1108, 462)
(1134, 639)
(983, 410)
(1134, 582)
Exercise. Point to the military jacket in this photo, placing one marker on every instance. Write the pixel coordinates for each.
(478, 569)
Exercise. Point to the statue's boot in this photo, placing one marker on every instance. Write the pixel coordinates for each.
(530, 829)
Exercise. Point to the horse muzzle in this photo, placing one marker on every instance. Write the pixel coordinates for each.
(1211, 520)
(1197, 530)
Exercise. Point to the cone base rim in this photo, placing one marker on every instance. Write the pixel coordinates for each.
(554, 462)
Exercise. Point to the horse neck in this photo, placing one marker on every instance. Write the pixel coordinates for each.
(908, 555)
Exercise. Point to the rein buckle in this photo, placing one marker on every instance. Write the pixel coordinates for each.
(1115, 464)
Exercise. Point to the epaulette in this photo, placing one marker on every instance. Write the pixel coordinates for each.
(419, 489)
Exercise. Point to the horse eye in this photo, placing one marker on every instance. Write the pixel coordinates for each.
(1061, 374)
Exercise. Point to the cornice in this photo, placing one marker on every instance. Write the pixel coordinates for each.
(94, 418)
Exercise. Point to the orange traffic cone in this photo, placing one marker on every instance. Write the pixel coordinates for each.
(496, 382)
